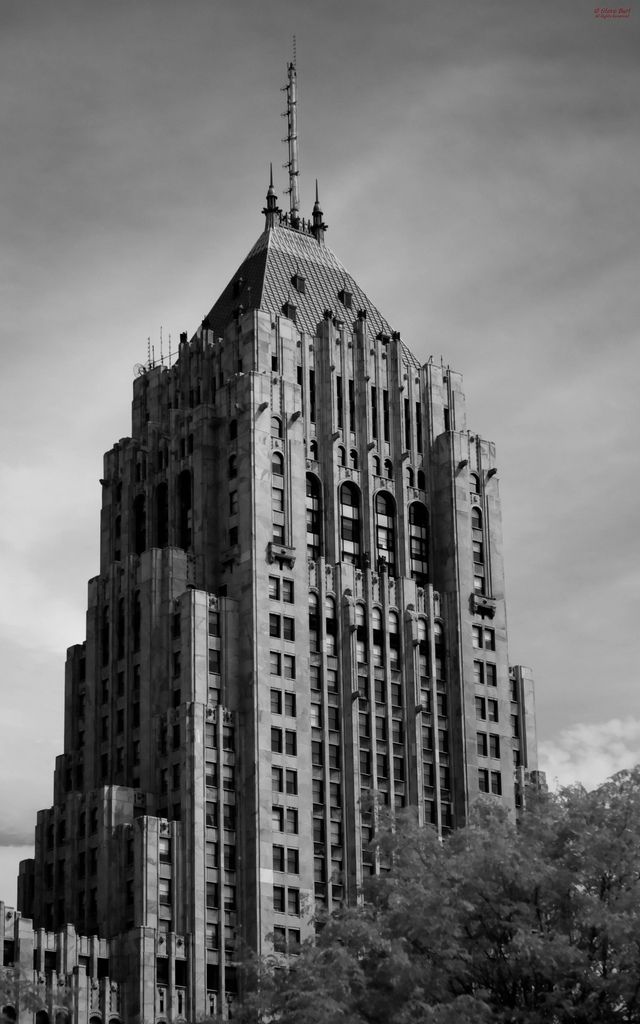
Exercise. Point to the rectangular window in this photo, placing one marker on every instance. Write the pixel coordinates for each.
(277, 499)
(492, 709)
(316, 752)
(278, 858)
(478, 673)
(293, 862)
(476, 635)
(211, 814)
(277, 819)
(276, 780)
(288, 628)
(290, 743)
(293, 902)
(278, 899)
(291, 781)
(289, 666)
(515, 726)
(214, 623)
(481, 708)
(274, 588)
(290, 705)
(233, 503)
(491, 675)
(418, 426)
(334, 756)
(287, 591)
(292, 821)
(275, 661)
(214, 661)
(315, 679)
(483, 780)
(496, 783)
(164, 891)
(489, 639)
(482, 743)
(494, 745)
(276, 702)
(332, 680)
(276, 741)
(274, 625)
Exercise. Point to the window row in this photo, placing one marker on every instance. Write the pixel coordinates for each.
(286, 859)
(282, 626)
(284, 780)
(277, 703)
(281, 589)
(282, 665)
(286, 901)
(485, 673)
(489, 782)
(284, 819)
(488, 746)
(284, 742)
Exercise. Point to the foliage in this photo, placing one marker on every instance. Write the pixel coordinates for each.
(539, 923)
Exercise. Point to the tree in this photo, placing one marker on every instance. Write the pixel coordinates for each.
(528, 924)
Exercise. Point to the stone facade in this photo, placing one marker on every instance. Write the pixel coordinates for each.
(300, 606)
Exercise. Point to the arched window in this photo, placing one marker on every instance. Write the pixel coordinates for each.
(162, 515)
(139, 524)
(377, 649)
(477, 543)
(388, 469)
(385, 531)
(410, 476)
(184, 509)
(353, 458)
(474, 483)
(233, 467)
(314, 517)
(314, 624)
(342, 455)
(476, 518)
(350, 523)
(42, 1017)
(421, 480)
(423, 651)
(313, 450)
(277, 497)
(117, 538)
(136, 620)
(361, 634)
(438, 639)
(330, 625)
(394, 640)
(376, 465)
(276, 426)
(418, 542)
(105, 636)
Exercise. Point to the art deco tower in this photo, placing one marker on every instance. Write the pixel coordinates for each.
(300, 603)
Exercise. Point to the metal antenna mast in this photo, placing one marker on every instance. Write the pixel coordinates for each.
(292, 141)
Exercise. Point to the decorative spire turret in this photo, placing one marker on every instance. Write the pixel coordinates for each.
(318, 227)
(272, 212)
(292, 142)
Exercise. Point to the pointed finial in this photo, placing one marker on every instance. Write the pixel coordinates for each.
(318, 227)
(271, 211)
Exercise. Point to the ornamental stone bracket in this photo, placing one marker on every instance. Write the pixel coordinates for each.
(484, 606)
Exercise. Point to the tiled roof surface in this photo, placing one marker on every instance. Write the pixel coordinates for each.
(266, 272)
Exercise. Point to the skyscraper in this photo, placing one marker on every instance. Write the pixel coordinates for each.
(300, 604)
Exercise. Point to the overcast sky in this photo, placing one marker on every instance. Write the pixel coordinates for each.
(478, 168)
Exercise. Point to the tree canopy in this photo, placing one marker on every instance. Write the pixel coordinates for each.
(538, 922)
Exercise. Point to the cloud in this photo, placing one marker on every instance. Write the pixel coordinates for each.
(591, 753)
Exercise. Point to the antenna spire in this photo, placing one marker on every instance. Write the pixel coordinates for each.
(292, 142)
